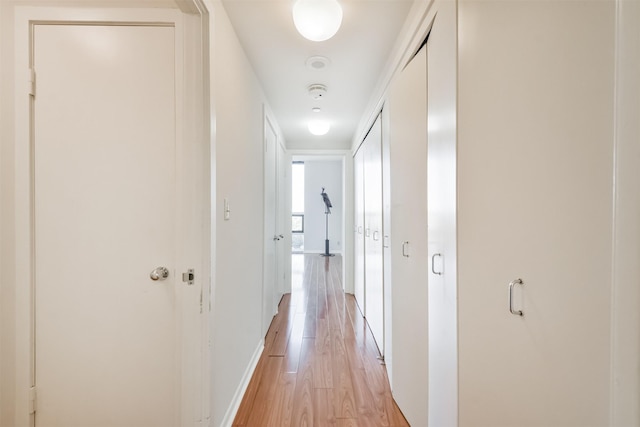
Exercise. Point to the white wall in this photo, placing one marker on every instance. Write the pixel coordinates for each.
(327, 174)
(7, 282)
(237, 294)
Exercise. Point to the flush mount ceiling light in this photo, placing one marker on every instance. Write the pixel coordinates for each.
(319, 127)
(317, 20)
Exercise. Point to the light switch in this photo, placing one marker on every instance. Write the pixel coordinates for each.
(227, 210)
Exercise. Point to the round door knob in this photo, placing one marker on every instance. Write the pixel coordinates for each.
(159, 273)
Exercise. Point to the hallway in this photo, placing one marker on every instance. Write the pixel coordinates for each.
(319, 366)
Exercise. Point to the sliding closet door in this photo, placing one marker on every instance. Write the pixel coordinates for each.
(374, 293)
(535, 195)
(358, 240)
(441, 218)
(407, 109)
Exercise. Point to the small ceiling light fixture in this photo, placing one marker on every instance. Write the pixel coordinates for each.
(317, 20)
(316, 109)
(317, 62)
(319, 127)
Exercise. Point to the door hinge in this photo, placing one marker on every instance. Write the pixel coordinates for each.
(32, 82)
(32, 400)
(188, 277)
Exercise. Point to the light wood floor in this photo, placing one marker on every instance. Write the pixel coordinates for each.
(319, 366)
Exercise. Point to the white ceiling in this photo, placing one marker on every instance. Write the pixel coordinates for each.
(358, 54)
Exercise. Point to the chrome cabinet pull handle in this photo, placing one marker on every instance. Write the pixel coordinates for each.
(511, 285)
(405, 252)
(376, 235)
(433, 268)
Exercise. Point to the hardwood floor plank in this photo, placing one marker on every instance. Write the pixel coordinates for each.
(322, 366)
(344, 398)
(261, 409)
(324, 411)
(312, 303)
(347, 422)
(284, 326)
(282, 412)
(292, 353)
(304, 392)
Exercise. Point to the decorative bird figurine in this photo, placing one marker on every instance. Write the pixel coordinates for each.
(326, 200)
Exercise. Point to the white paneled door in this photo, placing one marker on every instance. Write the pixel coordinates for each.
(105, 194)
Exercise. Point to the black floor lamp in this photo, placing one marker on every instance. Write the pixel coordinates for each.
(327, 211)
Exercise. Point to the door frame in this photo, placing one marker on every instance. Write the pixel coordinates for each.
(346, 157)
(193, 109)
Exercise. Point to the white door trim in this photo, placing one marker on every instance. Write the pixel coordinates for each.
(24, 235)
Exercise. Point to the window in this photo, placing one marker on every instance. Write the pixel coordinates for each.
(297, 223)
(297, 207)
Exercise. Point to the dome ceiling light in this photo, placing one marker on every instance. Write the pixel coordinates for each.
(319, 127)
(317, 20)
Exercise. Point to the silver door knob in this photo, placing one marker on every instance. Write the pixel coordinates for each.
(159, 273)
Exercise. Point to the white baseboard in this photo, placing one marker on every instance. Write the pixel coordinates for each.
(227, 421)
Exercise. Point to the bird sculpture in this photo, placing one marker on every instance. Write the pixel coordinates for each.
(326, 200)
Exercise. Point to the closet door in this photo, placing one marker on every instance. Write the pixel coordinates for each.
(358, 241)
(535, 196)
(407, 109)
(441, 218)
(374, 292)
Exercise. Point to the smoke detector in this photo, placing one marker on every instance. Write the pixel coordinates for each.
(317, 91)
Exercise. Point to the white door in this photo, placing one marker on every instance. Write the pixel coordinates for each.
(407, 109)
(358, 184)
(283, 228)
(374, 292)
(104, 121)
(441, 219)
(269, 291)
(535, 194)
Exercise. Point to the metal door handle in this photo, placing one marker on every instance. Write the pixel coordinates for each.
(405, 252)
(367, 232)
(159, 273)
(511, 284)
(360, 230)
(433, 269)
(376, 235)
